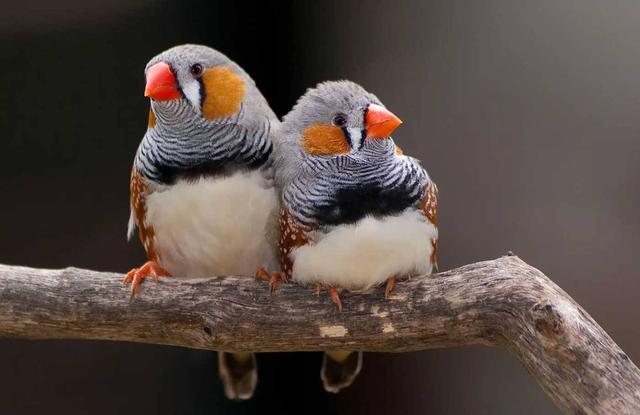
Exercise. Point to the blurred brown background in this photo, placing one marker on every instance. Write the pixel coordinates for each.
(525, 113)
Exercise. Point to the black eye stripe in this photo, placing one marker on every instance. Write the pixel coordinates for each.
(203, 91)
(345, 131)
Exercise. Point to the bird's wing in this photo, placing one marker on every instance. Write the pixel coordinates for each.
(429, 207)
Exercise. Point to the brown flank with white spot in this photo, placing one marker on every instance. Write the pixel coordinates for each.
(138, 202)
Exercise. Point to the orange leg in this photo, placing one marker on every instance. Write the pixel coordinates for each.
(262, 274)
(149, 269)
(274, 278)
(333, 293)
(391, 284)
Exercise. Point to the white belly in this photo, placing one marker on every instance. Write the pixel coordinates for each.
(367, 253)
(215, 226)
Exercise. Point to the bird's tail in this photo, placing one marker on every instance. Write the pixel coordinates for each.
(239, 374)
(339, 369)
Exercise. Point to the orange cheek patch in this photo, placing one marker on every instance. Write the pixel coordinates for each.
(325, 140)
(152, 119)
(399, 150)
(224, 92)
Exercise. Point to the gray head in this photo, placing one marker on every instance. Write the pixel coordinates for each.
(334, 120)
(200, 81)
(207, 116)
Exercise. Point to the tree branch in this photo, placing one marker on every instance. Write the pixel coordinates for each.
(503, 302)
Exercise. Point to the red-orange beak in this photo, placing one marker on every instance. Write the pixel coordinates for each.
(161, 83)
(380, 122)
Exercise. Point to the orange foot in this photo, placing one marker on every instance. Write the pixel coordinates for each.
(273, 278)
(391, 284)
(136, 275)
(333, 294)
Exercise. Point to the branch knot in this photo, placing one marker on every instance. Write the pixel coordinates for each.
(547, 320)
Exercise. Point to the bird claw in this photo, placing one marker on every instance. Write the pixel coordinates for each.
(137, 275)
(391, 284)
(274, 278)
(262, 274)
(333, 294)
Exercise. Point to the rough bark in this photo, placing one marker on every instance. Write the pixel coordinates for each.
(504, 303)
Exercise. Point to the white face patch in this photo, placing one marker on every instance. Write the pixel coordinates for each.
(356, 139)
(191, 90)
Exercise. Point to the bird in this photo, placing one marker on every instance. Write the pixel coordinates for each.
(202, 193)
(355, 212)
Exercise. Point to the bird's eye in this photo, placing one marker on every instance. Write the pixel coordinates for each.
(196, 69)
(339, 120)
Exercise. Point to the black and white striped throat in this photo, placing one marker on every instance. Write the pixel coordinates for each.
(184, 145)
(346, 189)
